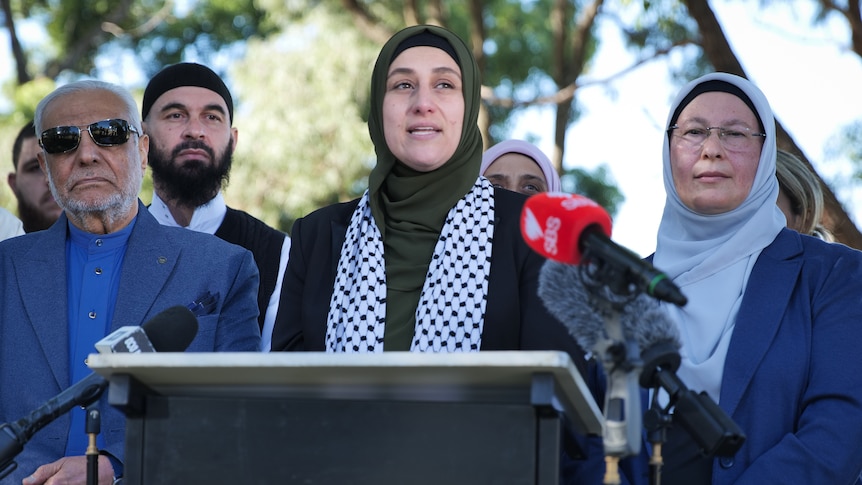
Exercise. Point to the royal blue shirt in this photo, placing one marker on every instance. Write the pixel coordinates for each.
(93, 266)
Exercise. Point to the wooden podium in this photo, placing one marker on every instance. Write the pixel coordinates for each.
(318, 418)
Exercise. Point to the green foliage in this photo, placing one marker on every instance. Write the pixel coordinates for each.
(24, 99)
(848, 144)
(303, 141)
(298, 70)
(159, 32)
(206, 28)
(597, 185)
(657, 27)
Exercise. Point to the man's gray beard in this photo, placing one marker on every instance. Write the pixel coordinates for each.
(111, 209)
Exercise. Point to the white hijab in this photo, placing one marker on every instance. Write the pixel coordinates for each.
(710, 257)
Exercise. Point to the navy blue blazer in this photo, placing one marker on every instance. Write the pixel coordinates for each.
(163, 267)
(793, 375)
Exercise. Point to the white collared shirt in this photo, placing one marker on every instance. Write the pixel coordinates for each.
(10, 226)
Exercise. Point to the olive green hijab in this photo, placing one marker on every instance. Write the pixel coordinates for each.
(410, 207)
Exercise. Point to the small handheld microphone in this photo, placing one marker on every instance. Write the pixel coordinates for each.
(573, 229)
(172, 330)
(125, 339)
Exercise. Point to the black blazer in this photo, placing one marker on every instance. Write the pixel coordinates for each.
(515, 317)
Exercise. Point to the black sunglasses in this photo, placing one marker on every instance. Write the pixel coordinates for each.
(105, 133)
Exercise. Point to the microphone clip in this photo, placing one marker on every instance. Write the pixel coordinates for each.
(710, 427)
(624, 273)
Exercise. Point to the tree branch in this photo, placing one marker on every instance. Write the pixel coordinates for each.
(371, 26)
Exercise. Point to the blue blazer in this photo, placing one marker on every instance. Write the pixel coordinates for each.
(163, 267)
(793, 375)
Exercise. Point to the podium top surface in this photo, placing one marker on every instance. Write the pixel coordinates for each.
(167, 372)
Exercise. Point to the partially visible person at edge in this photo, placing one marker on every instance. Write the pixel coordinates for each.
(188, 115)
(37, 208)
(427, 211)
(104, 264)
(520, 166)
(771, 329)
(800, 196)
(10, 226)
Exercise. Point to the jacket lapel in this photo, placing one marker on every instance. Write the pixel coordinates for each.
(766, 296)
(149, 262)
(339, 234)
(41, 275)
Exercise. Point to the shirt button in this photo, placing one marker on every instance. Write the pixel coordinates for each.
(726, 461)
(99, 242)
(98, 271)
(92, 315)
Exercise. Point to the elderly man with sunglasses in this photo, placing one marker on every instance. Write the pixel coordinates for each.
(104, 264)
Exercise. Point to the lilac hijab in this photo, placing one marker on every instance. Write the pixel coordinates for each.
(527, 149)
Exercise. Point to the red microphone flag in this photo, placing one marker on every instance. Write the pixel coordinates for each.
(552, 224)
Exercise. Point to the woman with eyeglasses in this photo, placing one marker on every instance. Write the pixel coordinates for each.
(772, 328)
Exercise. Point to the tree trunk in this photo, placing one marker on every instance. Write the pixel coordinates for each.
(570, 54)
(17, 51)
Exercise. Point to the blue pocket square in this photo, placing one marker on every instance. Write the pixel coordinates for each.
(204, 305)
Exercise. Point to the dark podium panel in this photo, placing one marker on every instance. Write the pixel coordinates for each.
(317, 418)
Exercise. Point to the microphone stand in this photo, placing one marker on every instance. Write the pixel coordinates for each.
(93, 425)
(613, 288)
(619, 356)
(656, 423)
(714, 432)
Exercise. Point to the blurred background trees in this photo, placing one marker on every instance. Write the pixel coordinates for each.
(299, 71)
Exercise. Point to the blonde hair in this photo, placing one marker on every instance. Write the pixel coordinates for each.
(802, 188)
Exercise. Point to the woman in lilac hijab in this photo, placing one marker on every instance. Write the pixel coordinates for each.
(520, 166)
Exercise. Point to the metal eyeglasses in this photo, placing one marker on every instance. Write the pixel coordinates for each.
(736, 138)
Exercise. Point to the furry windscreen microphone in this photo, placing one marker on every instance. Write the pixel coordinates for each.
(562, 290)
(645, 320)
(594, 322)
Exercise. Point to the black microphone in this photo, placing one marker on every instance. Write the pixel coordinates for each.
(658, 338)
(573, 229)
(172, 330)
(595, 325)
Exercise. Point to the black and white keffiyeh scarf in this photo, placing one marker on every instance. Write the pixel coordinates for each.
(451, 311)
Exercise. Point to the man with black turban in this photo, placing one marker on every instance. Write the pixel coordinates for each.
(188, 114)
